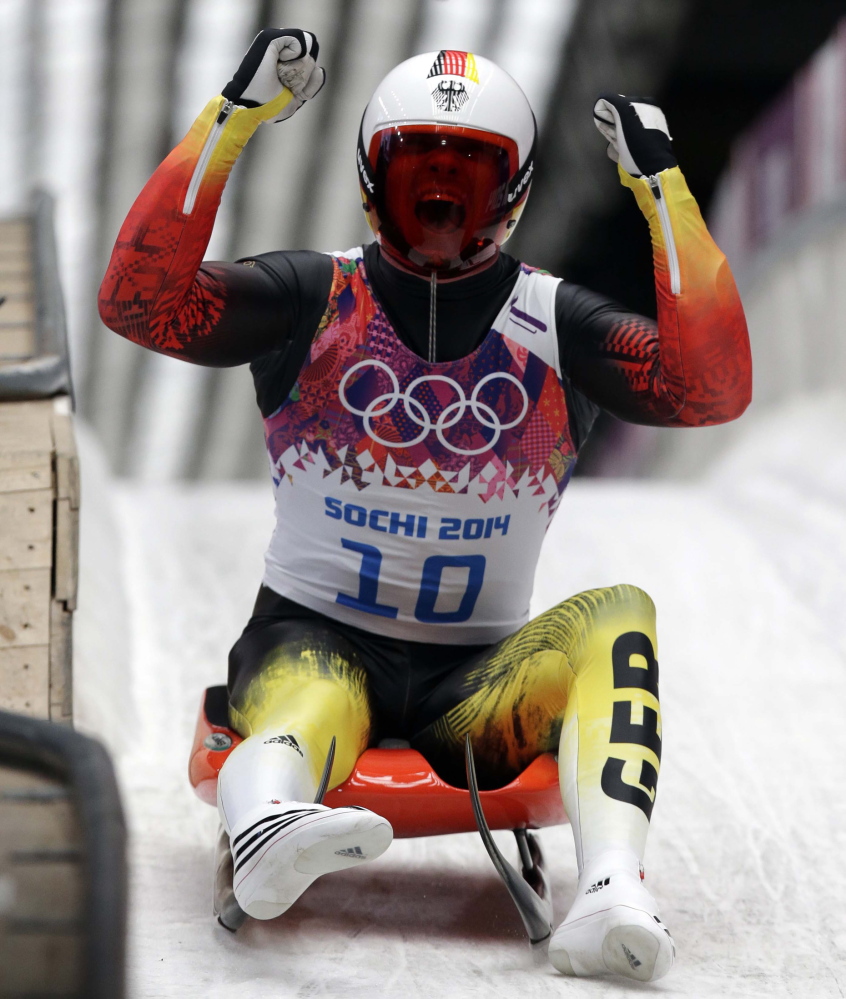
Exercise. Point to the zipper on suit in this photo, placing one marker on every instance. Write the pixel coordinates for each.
(667, 231)
(205, 155)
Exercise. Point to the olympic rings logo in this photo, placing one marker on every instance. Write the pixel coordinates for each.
(416, 412)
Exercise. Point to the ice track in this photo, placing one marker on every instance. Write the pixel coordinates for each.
(749, 837)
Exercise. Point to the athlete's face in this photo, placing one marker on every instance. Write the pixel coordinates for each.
(441, 189)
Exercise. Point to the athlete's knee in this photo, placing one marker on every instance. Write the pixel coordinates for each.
(627, 595)
(300, 684)
(584, 610)
(595, 627)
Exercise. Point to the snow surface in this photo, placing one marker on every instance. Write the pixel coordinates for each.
(746, 854)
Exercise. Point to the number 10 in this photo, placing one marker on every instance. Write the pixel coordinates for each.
(430, 584)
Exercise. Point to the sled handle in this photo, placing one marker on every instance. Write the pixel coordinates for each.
(535, 910)
(327, 772)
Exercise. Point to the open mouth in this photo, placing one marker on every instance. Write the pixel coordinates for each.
(440, 215)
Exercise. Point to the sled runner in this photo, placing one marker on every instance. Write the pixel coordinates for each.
(400, 785)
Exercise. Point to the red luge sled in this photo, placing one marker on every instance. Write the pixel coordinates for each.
(397, 783)
(400, 785)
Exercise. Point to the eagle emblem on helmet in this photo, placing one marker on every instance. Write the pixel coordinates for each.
(450, 95)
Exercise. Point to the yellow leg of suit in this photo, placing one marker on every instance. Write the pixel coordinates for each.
(610, 750)
(581, 678)
(314, 689)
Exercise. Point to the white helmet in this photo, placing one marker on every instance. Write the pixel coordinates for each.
(445, 160)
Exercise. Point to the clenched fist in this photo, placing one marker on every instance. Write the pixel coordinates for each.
(279, 58)
(637, 133)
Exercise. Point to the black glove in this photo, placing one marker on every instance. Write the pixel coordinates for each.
(278, 58)
(637, 133)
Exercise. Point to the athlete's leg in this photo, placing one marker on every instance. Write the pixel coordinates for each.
(300, 678)
(294, 684)
(581, 678)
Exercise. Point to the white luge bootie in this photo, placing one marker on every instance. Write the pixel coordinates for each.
(613, 925)
(280, 840)
(279, 849)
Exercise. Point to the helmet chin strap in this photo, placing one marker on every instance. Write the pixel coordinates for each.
(433, 285)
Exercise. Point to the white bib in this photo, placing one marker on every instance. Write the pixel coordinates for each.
(412, 498)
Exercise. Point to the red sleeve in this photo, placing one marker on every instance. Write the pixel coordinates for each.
(693, 368)
(154, 291)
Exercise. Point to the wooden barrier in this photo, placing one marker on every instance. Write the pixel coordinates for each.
(62, 835)
(39, 476)
(39, 527)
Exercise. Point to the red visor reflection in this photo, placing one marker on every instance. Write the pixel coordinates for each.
(440, 188)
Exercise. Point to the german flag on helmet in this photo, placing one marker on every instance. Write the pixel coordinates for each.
(452, 63)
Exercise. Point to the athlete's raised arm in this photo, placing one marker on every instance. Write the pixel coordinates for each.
(155, 292)
(693, 367)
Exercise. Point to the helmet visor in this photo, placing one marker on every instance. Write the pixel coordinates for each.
(442, 189)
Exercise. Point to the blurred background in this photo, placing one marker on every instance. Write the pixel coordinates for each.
(97, 91)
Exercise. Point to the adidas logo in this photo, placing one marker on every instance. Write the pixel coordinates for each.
(633, 961)
(285, 740)
(598, 886)
(354, 852)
